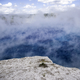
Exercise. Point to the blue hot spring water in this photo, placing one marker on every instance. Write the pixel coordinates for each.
(62, 48)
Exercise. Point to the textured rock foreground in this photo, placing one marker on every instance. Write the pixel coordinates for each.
(36, 68)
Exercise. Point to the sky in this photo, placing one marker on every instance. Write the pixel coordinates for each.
(35, 6)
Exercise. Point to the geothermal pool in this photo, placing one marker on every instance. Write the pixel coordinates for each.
(38, 35)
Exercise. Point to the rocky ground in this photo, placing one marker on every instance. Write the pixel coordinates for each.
(36, 68)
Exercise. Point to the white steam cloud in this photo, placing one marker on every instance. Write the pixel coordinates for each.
(17, 29)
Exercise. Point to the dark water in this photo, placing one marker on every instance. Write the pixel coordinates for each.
(56, 37)
(60, 47)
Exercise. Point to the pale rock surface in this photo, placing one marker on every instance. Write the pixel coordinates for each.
(28, 69)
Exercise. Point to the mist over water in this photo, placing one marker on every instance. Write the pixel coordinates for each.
(56, 35)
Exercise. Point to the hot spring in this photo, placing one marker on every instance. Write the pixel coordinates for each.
(56, 35)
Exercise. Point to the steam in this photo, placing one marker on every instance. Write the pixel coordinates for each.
(55, 35)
